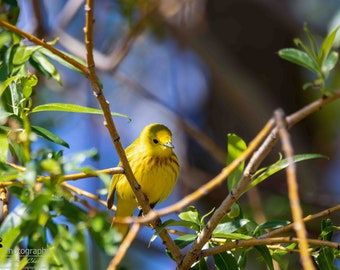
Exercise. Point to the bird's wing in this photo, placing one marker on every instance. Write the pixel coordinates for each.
(111, 191)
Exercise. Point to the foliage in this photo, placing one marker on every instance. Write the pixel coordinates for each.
(319, 61)
(52, 224)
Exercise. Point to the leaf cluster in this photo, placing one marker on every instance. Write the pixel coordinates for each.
(321, 61)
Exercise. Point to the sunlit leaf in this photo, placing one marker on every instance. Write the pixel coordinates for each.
(63, 107)
(281, 164)
(60, 60)
(43, 64)
(327, 45)
(5, 84)
(22, 54)
(300, 58)
(330, 63)
(191, 214)
(229, 227)
(236, 147)
(28, 84)
(3, 146)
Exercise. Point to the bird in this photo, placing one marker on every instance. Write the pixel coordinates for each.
(155, 167)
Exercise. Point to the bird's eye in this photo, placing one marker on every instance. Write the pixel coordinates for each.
(155, 141)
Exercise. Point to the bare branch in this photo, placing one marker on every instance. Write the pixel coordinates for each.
(266, 241)
(293, 193)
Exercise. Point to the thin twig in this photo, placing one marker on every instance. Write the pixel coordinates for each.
(74, 176)
(44, 44)
(266, 241)
(308, 218)
(293, 194)
(124, 246)
(82, 192)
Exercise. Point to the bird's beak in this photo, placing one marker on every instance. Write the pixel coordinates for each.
(169, 144)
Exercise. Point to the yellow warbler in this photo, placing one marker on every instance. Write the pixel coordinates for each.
(155, 167)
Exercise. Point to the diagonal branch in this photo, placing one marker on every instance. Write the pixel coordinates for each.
(293, 193)
(44, 44)
(266, 241)
(140, 196)
(306, 219)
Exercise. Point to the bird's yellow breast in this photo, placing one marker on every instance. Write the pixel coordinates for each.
(156, 176)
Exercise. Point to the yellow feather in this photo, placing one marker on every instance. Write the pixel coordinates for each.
(155, 167)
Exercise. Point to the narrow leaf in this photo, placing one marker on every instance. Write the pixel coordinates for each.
(43, 64)
(60, 60)
(300, 58)
(63, 107)
(236, 147)
(311, 41)
(225, 261)
(264, 173)
(330, 63)
(264, 251)
(49, 136)
(6, 83)
(327, 45)
(3, 146)
(185, 240)
(229, 227)
(326, 258)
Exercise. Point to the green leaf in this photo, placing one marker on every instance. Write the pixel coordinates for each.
(200, 265)
(330, 63)
(273, 224)
(225, 261)
(325, 259)
(60, 60)
(3, 147)
(22, 54)
(300, 58)
(313, 55)
(264, 251)
(236, 147)
(6, 83)
(63, 107)
(173, 222)
(190, 214)
(281, 164)
(229, 227)
(41, 63)
(9, 240)
(49, 136)
(185, 240)
(312, 42)
(28, 84)
(327, 45)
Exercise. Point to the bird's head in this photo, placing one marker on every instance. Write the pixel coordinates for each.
(157, 139)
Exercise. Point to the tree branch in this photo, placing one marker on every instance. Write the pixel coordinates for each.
(140, 196)
(293, 193)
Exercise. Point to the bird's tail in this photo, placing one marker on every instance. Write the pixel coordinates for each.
(125, 208)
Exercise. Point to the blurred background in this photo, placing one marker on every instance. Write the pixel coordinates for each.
(204, 69)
